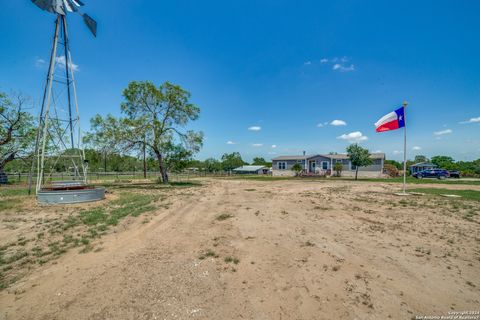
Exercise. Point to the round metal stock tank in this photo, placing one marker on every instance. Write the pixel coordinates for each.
(71, 196)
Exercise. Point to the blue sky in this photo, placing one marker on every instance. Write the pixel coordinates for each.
(287, 68)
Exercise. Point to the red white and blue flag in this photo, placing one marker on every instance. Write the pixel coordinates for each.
(393, 120)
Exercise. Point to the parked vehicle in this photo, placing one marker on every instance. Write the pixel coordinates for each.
(454, 173)
(432, 173)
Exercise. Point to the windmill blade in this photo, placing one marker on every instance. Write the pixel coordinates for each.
(91, 24)
(69, 6)
(78, 3)
(64, 6)
(53, 6)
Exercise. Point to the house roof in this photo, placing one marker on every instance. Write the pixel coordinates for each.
(249, 168)
(423, 164)
(294, 157)
(376, 155)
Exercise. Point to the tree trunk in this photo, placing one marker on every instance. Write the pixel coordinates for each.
(161, 165)
(144, 162)
(3, 176)
(356, 173)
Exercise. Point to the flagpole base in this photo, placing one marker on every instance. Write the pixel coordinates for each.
(402, 194)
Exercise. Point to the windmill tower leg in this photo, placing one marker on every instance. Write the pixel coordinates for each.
(41, 120)
(74, 121)
(67, 74)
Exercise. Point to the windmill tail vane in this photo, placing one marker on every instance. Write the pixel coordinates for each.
(62, 7)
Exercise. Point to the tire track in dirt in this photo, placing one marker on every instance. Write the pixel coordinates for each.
(305, 252)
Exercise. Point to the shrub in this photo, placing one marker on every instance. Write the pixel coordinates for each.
(338, 168)
(391, 170)
(297, 167)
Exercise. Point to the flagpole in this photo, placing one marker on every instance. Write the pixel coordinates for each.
(404, 146)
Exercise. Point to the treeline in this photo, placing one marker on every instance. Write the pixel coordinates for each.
(99, 161)
(466, 168)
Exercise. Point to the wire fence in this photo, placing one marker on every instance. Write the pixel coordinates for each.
(22, 177)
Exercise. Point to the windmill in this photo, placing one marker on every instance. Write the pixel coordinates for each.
(58, 148)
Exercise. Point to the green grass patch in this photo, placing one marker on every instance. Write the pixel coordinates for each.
(224, 216)
(208, 253)
(413, 180)
(130, 204)
(94, 216)
(231, 260)
(8, 204)
(464, 194)
(12, 192)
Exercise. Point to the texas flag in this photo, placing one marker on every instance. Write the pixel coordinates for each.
(391, 121)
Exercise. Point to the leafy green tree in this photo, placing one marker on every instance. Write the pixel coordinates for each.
(338, 168)
(359, 157)
(155, 117)
(420, 158)
(232, 160)
(259, 161)
(297, 168)
(177, 158)
(212, 165)
(17, 131)
(444, 162)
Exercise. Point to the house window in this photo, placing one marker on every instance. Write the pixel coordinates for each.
(282, 165)
(324, 165)
(354, 167)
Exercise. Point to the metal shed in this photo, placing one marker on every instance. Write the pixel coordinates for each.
(251, 170)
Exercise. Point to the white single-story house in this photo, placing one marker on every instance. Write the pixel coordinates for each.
(252, 170)
(417, 167)
(324, 164)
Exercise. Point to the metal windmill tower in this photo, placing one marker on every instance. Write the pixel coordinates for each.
(58, 143)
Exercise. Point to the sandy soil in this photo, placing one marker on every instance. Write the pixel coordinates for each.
(305, 250)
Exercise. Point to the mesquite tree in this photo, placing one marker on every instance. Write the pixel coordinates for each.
(359, 157)
(154, 117)
(17, 132)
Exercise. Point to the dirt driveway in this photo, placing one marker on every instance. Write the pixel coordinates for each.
(235, 249)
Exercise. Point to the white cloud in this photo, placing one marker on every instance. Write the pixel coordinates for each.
(377, 151)
(334, 59)
(322, 124)
(338, 123)
(307, 63)
(39, 63)
(442, 132)
(472, 120)
(271, 152)
(274, 146)
(257, 145)
(254, 128)
(355, 136)
(62, 61)
(397, 152)
(343, 68)
(231, 142)
(416, 148)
